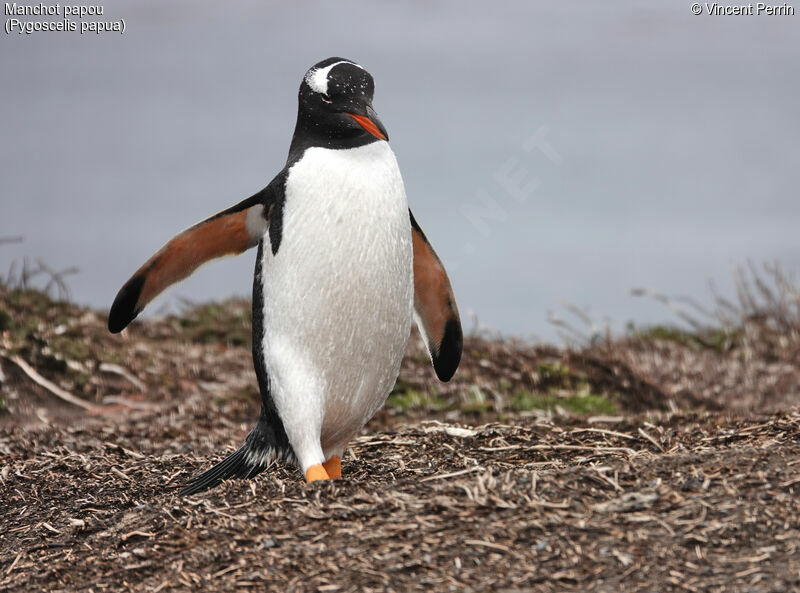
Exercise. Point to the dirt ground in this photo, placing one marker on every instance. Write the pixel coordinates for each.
(690, 504)
(643, 465)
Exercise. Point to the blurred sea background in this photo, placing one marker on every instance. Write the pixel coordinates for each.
(644, 146)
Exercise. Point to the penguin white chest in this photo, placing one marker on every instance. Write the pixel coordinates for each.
(338, 295)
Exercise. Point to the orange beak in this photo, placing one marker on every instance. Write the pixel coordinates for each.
(368, 125)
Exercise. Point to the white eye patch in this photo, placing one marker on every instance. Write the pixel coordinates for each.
(317, 78)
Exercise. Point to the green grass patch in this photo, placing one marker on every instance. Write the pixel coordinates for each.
(717, 339)
(581, 403)
(5, 320)
(553, 371)
(71, 348)
(228, 322)
(415, 400)
(474, 401)
(405, 397)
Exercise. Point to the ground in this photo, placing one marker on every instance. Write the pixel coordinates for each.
(662, 461)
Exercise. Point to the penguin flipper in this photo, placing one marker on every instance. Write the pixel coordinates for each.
(435, 307)
(229, 232)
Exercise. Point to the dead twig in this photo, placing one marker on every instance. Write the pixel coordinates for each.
(48, 385)
(14, 564)
(626, 450)
(614, 433)
(650, 438)
(115, 369)
(451, 474)
(484, 544)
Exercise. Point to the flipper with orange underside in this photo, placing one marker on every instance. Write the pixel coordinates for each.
(229, 232)
(435, 307)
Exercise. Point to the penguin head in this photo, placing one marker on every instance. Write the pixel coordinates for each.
(336, 99)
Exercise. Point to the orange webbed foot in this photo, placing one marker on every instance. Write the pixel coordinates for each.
(334, 467)
(315, 473)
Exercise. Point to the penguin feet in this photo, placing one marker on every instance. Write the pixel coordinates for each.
(329, 470)
(334, 467)
(315, 473)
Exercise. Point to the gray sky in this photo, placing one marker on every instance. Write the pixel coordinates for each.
(644, 146)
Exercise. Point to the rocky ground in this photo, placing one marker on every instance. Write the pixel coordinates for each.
(661, 461)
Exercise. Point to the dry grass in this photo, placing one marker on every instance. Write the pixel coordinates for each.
(763, 322)
(691, 504)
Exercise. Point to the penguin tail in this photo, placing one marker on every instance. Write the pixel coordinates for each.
(256, 455)
(235, 465)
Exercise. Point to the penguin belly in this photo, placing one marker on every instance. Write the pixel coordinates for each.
(338, 296)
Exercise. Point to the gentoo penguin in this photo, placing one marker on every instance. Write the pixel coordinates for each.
(342, 268)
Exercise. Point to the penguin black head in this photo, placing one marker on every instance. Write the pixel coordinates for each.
(336, 105)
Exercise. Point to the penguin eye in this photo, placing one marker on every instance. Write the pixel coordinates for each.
(326, 99)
